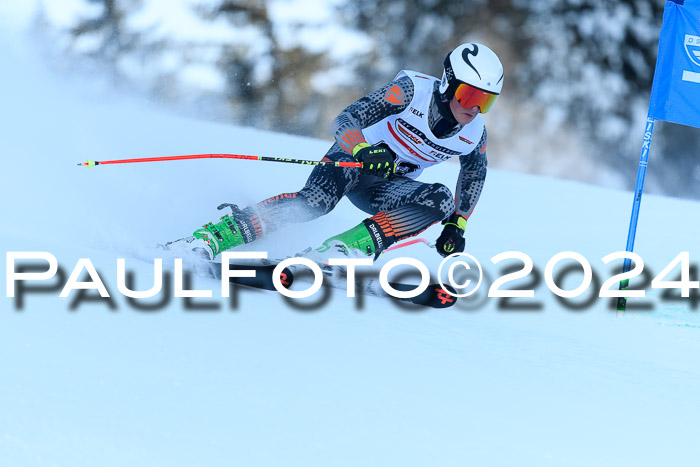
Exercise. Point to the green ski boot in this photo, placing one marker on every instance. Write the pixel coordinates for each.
(365, 239)
(212, 239)
(221, 236)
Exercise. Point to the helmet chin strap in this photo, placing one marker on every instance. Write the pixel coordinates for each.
(445, 121)
(443, 107)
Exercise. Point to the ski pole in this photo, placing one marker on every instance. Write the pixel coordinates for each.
(90, 163)
(411, 242)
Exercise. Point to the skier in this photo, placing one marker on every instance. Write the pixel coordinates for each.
(413, 122)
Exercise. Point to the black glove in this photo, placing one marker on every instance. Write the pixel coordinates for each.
(376, 160)
(451, 240)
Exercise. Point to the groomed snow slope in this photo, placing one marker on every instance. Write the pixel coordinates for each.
(343, 382)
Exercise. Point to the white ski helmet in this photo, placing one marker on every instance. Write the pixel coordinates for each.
(474, 75)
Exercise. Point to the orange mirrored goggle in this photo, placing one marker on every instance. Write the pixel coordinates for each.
(469, 96)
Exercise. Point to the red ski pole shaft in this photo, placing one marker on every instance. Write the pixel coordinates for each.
(90, 163)
(411, 242)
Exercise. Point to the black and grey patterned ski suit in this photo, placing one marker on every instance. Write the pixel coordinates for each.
(403, 206)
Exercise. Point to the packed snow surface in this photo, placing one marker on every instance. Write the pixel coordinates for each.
(264, 381)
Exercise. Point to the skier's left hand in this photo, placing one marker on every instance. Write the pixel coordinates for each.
(451, 240)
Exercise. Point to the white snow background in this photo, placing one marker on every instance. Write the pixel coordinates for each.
(348, 382)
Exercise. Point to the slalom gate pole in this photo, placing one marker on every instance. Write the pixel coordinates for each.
(641, 173)
(90, 163)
